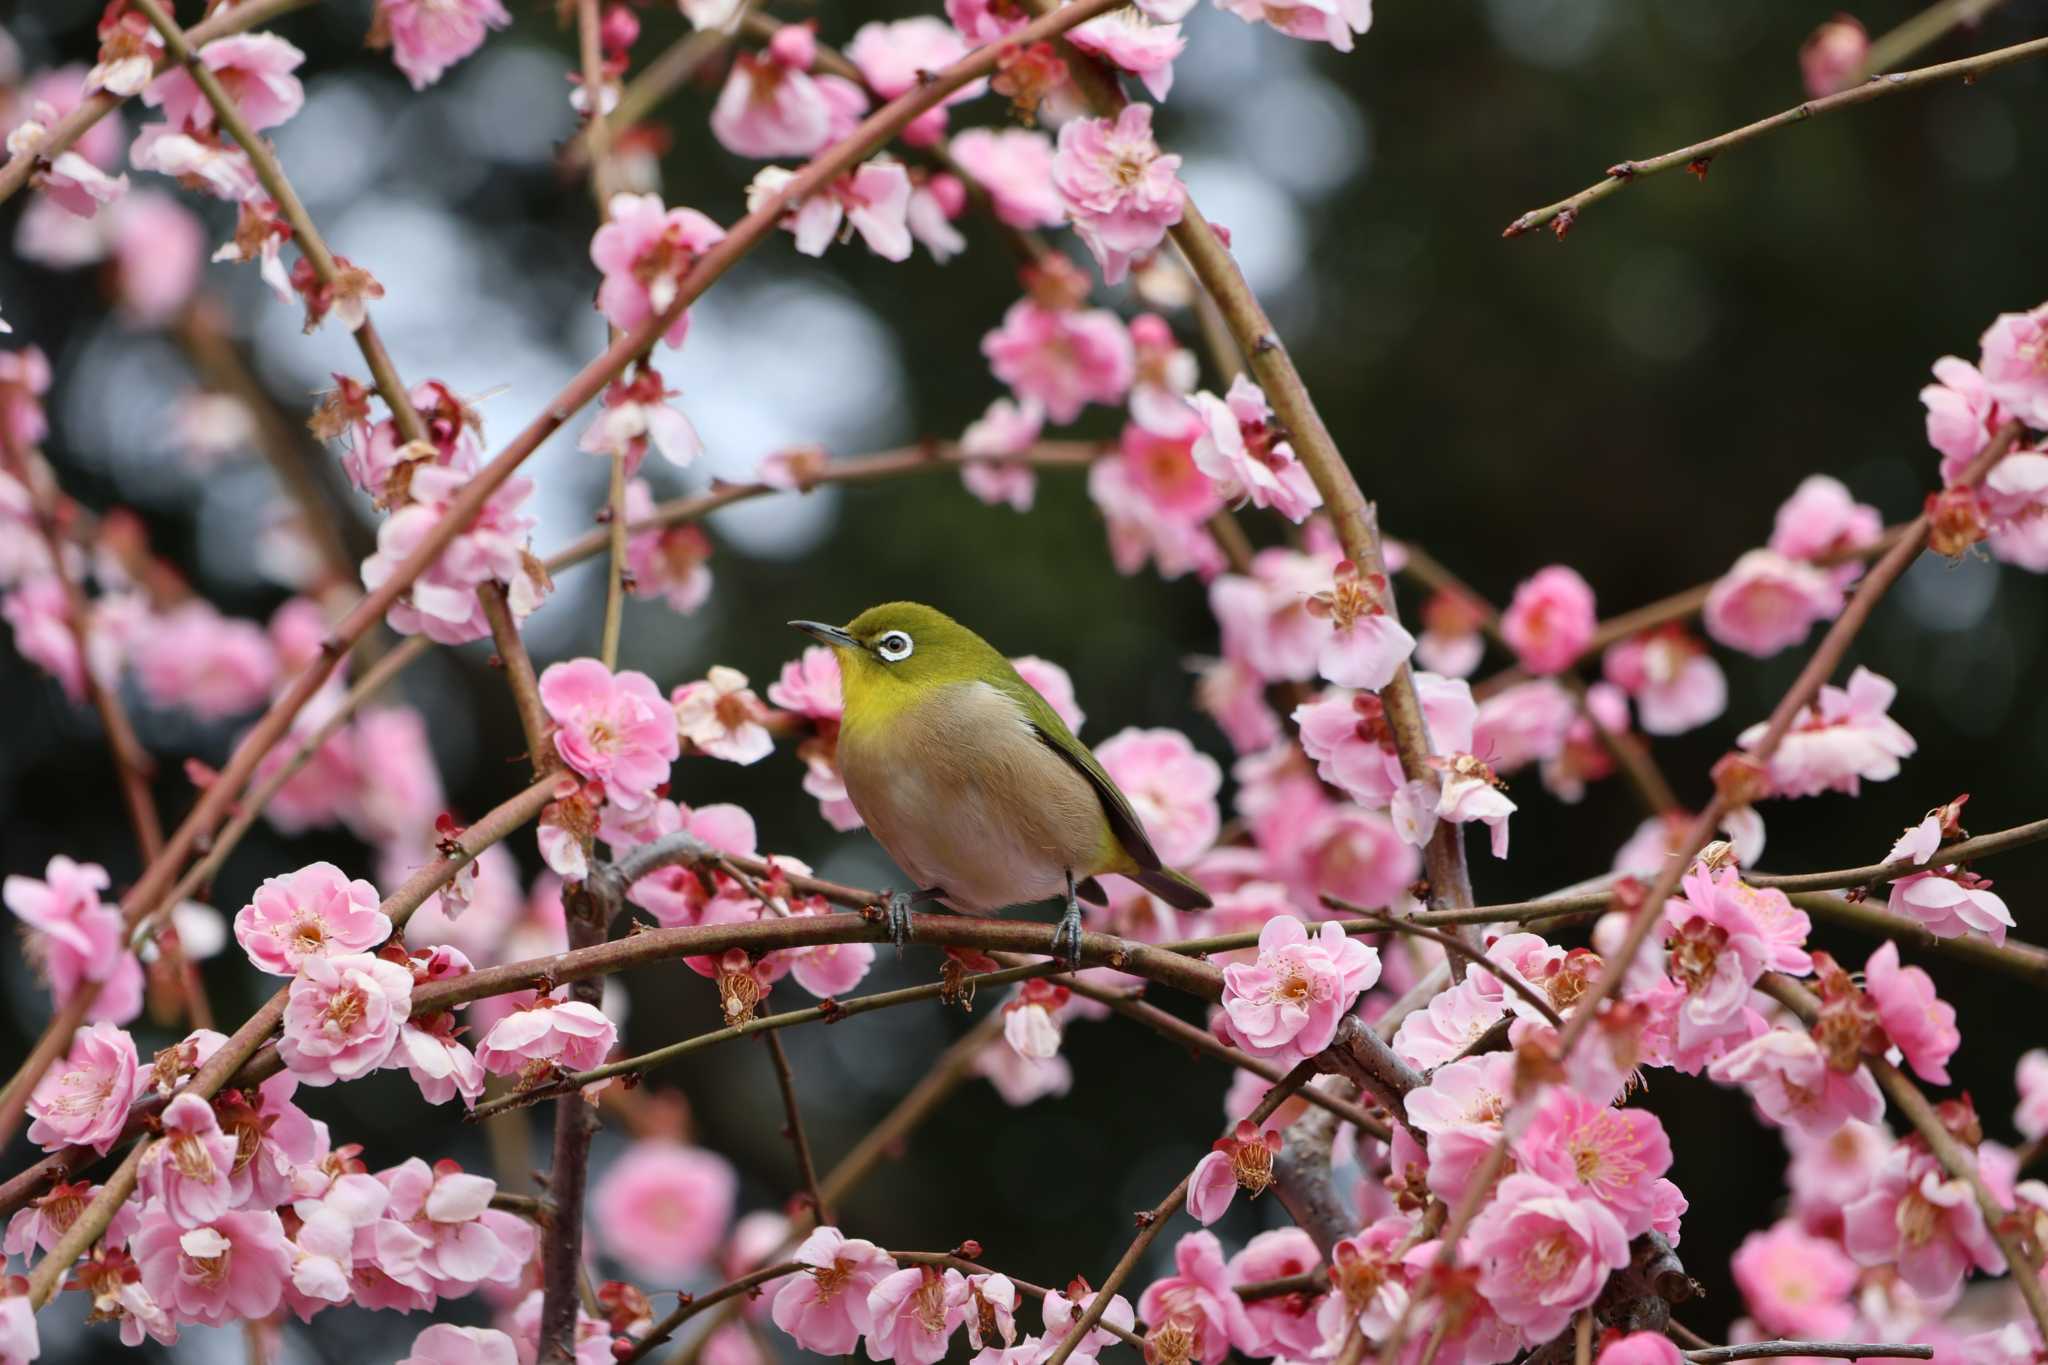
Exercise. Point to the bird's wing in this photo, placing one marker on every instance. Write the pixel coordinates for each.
(1054, 734)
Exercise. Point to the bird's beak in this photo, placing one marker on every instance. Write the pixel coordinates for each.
(831, 635)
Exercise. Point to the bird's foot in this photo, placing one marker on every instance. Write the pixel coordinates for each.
(1066, 939)
(898, 913)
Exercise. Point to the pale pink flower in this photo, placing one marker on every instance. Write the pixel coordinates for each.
(1015, 166)
(1242, 451)
(1139, 530)
(39, 614)
(2030, 1078)
(1919, 1023)
(669, 562)
(592, 1336)
(1951, 903)
(1288, 1003)
(645, 251)
(78, 937)
(1453, 1020)
(83, 1100)
(329, 1225)
(895, 57)
(457, 1238)
(1615, 1156)
(407, 794)
(721, 716)
(1767, 602)
(1829, 60)
(1171, 785)
(567, 1033)
(1550, 621)
(1316, 21)
(1527, 723)
(1020, 1080)
(1795, 1284)
(75, 185)
(986, 21)
(1674, 682)
(1285, 1326)
(611, 727)
(1788, 1076)
(446, 1344)
(810, 685)
(771, 106)
(873, 199)
(439, 1065)
(1059, 1312)
(826, 1307)
(828, 969)
(19, 1343)
(913, 1314)
(1120, 191)
(636, 416)
(212, 665)
(1460, 1109)
(1543, 1254)
(2015, 499)
(1460, 789)
(1369, 1284)
(1063, 358)
(221, 170)
(1030, 1019)
(1130, 41)
(429, 36)
(1053, 683)
(662, 1208)
(1925, 1221)
(991, 1311)
(1821, 518)
(343, 1017)
(1828, 1174)
(1006, 428)
(316, 911)
(1845, 738)
(442, 603)
(1197, 1298)
(1962, 415)
(255, 68)
(2014, 364)
(936, 200)
(232, 1268)
(159, 251)
(1366, 645)
(1640, 1348)
(1718, 950)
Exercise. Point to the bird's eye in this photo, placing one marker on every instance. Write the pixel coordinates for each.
(894, 647)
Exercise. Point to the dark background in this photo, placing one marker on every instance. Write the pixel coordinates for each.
(1634, 401)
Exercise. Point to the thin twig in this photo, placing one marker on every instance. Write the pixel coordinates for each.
(806, 1172)
(1450, 943)
(1962, 851)
(1922, 30)
(1842, 1350)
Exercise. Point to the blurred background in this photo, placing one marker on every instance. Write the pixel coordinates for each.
(1635, 401)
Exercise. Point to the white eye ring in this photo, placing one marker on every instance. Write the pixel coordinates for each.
(894, 647)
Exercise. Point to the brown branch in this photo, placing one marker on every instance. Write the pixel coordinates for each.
(1841, 1350)
(1307, 1187)
(1923, 29)
(585, 911)
(690, 1305)
(659, 79)
(1451, 943)
(1962, 851)
(793, 1129)
(1565, 212)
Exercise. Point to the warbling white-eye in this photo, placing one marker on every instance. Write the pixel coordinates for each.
(972, 782)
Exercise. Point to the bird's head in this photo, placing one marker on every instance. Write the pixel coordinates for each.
(898, 651)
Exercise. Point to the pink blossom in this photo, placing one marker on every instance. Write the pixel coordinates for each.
(991, 1311)
(1460, 1110)
(1829, 60)
(721, 716)
(75, 185)
(1021, 1080)
(1030, 1019)
(1015, 166)
(1198, 1299)
(458, 1238)
(1550, 621)
(234, 1267)
(1244, 455)
(1845, 738)
(442, 603)
(645, 251)
(669, 562)
(376, 451)
(1140, 530)
(316, 911)
(407, 794)
(828, 969)
(826, 1308)
(1054, 684)
(343, 1017)
(1527, 723)
(662, 1208)
(1453, 1020)
(1951, 903)
(1823, 518)
(256, 70)
(1287, 1004)
(1767, 602)
(1059, 1312)
(1006, 428)
(1171, 785)
(2015, 499)
(429, 36)
(1795, 1284)
(1640, 1348)
(446, 1344)
(568, 1034)
(1615, 1156)
(1460, 789)
(810, 686)
(1828, 1174)
(986, 21)
(83, 1100)
(439, 1065)
(1368, 1281)
(1962, 416)
(637, 415)
(1789, 1078)
(771, 106)
(25, 378)
(1121, 192)
(329, 1226)
(19, 1343)
(1130, 41)
(212, 665)
(1922, 1219)
(1366, 645)
(159, 250)
(206, 163)
(873, 199)
(79, 937)
(2015, 364)
(2030, 1078)
(1316, 21)
(592, 1336)
(39, 613)
(1063, 358)
(1718, 950)
(611, 727)
(913, 1314)
(1675, 683)
(1919, 1023)
(1543, 1254)
(1287, 1325)
(894, 57)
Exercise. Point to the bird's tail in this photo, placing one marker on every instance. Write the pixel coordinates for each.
(1176, 890)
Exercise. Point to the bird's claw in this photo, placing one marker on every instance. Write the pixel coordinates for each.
(1066, 939)
(898, 913)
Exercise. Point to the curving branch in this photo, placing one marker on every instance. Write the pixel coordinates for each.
(1839, 1350)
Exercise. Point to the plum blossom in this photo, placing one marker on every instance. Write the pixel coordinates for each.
(1367, 645)
(1158, 460)
(1064, 358)
(446, 1344)
(894, 57)
(1615, 1156)
(1550, 621)
(212, 665)
(1845, 738)
(669, 562)
(1285, 1326)
(1543, 1254)
(1196, 1303)
(635, 416)
(329, 1225)
(1015, 166)
(1830, 59)
(83, 1100)
(1053, 683)
(644, 251)
(1031, 1019)
(722, 717)
(1460, 789)
(2014, 498)
(1962, 416)
(316, 911)
(873, 200)
(1287, 1004)
(1059, 1311)
(1822, 518)
(1952, 902)
(1674, 682)
(569, 1034)
(1171, 785)
(1139, 530)
(233, 1267)
(2030, 1078)
(1796, 1284)
(458, 1238)
(2015, 347)
(1128, 39)
(1317, 21)
(991, 1311)
(429, 36)
(255, 69)
(78, 937)
(442, 603)
(1244, 455)
(19, 1343)
(1792, 1083)
(1768, 602)
(826, 1308)
(39, 614)
(439, 1065)
(343, 1017)
(1925, 1221)
(662, 1208)
(1919, 1024)
(1242, 1161)
(1120, 191)
(1006, 428)
(1021, 1080)
(610, 727)
(1640, 1348)
(913, 1314)
(1459, 1111)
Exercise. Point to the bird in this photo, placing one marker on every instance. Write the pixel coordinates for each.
(972, 783)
